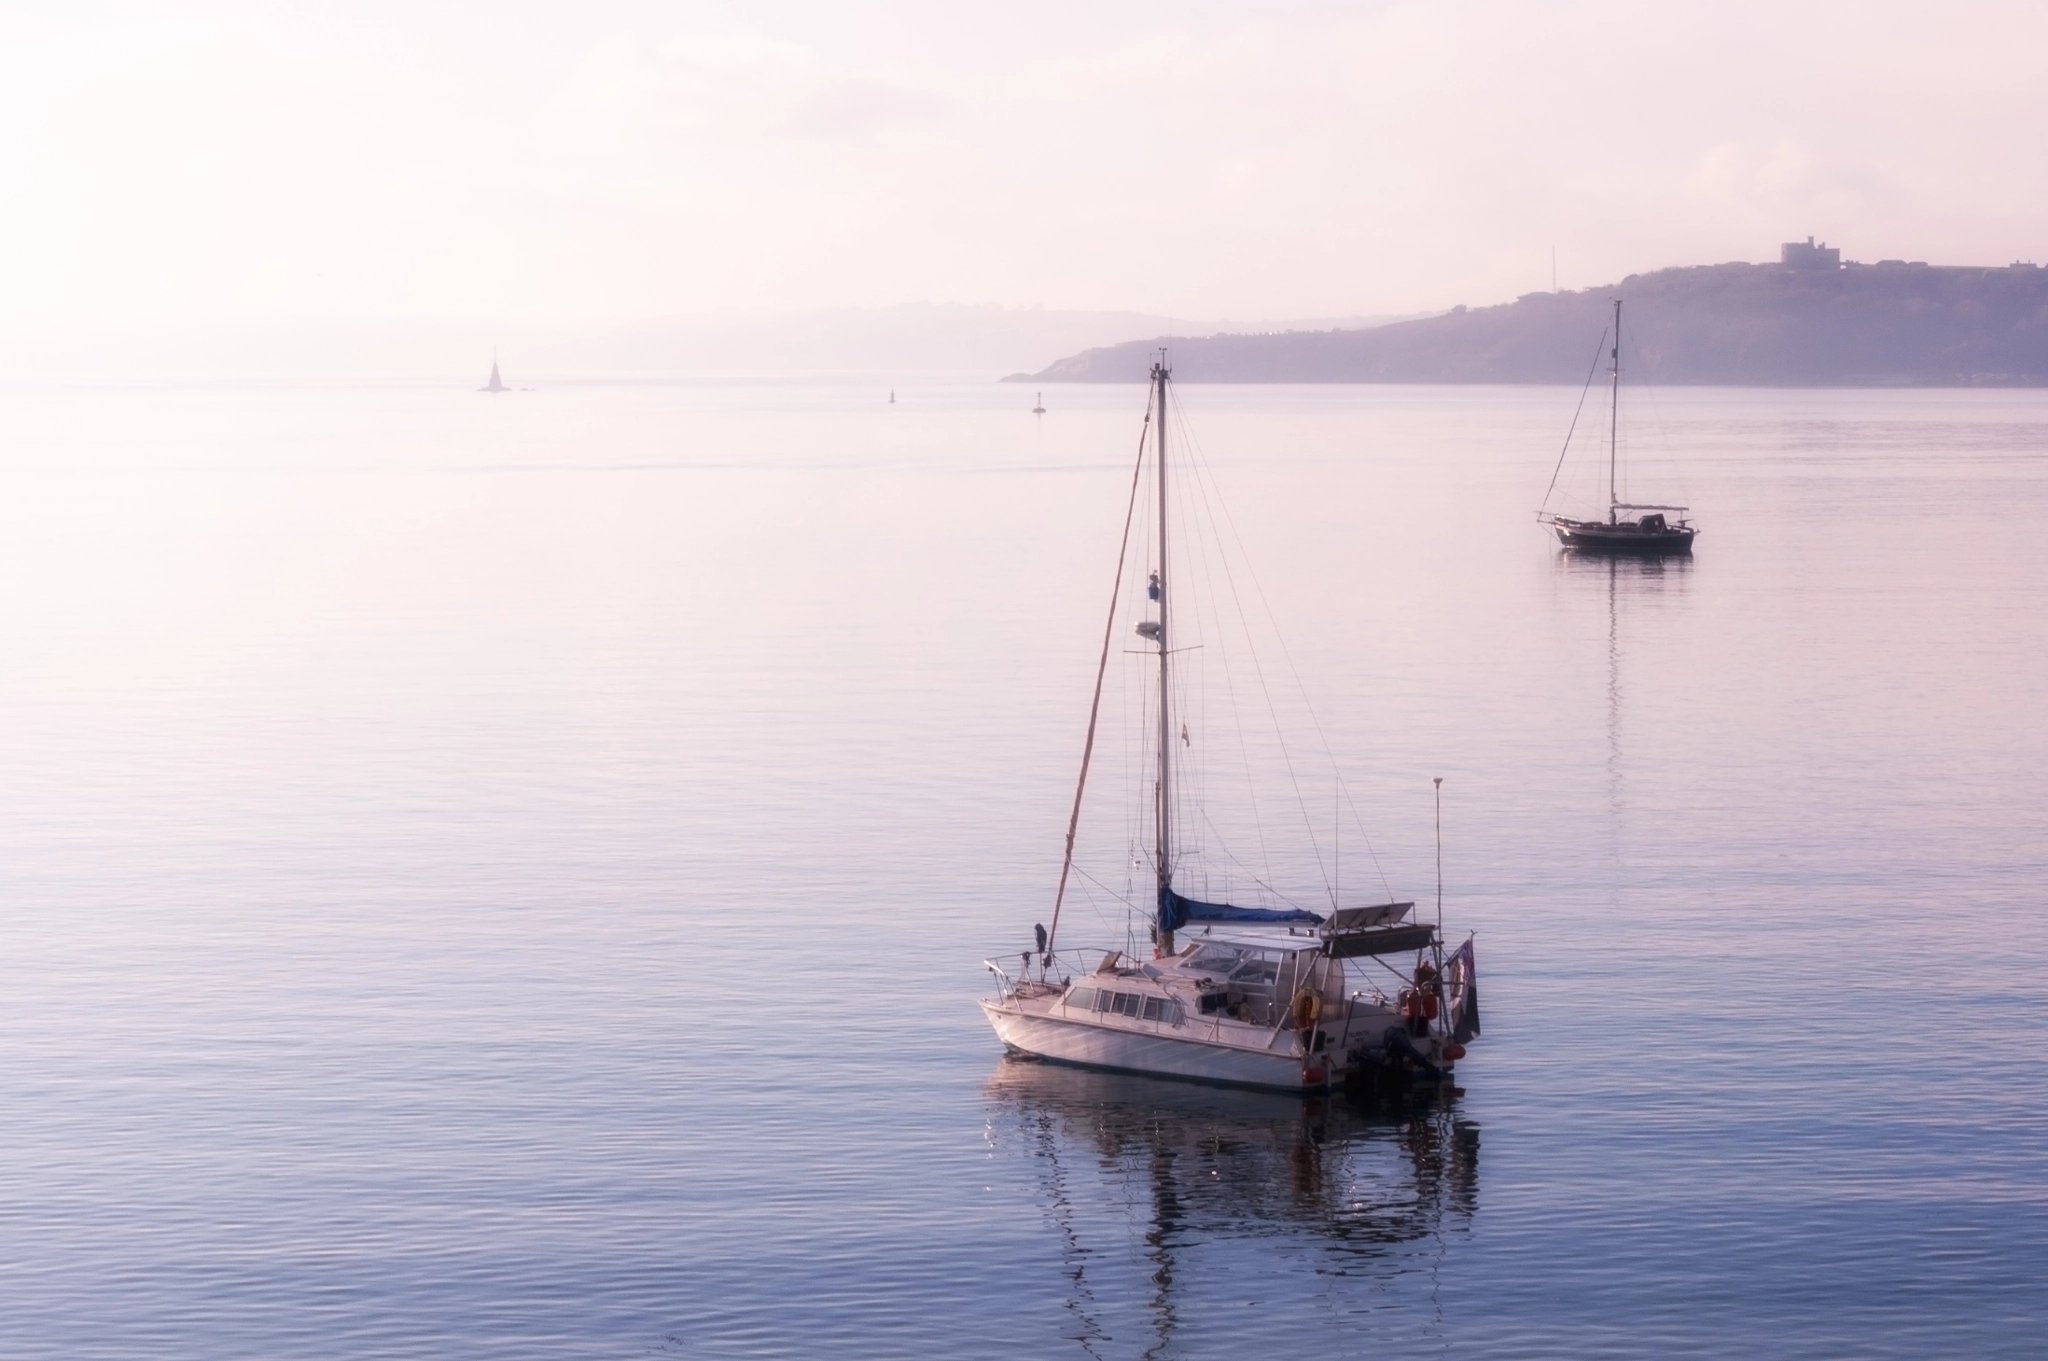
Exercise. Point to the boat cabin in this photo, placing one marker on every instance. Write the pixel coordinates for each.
(1251, 976)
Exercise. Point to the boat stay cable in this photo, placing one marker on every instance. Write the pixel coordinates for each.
(1598, 350)
(1095, 704)
(1660, 425)
(1212, 499)
(1222, 842)
(1207, 577)
(1215, 501)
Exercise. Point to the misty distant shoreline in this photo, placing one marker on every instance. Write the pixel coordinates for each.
(1891, 324)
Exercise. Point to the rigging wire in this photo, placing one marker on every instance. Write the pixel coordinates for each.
(1095, 704)
(1094, 905)
(1576, 411)
(1663, 427)
(1262, 883)
(1206, 595)
(1123, 898)
(1207, 478)
(1273, 621)
(1191, 692)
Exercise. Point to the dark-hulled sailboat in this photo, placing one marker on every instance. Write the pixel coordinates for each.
(1630, 527)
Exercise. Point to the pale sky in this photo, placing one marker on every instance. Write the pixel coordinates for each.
(616, 161)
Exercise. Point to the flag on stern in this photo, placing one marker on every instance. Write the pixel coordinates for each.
(1464, 971)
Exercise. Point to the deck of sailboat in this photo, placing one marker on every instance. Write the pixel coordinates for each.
(1225, 1009)
(1623, 536)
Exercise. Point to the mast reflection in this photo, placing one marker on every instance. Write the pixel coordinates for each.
(1138, 1171)
(1620, 580)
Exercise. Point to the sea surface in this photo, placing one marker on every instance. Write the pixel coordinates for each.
(508, 877)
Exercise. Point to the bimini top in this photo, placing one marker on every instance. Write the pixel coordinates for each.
(1376, 930)
(1358, 918)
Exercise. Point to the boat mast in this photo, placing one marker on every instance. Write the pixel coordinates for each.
(1163, 797)
(1614, 417)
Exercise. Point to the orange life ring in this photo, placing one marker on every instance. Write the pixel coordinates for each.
(1307, 1007)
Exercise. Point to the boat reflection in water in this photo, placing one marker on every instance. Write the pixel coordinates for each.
(1177, 1205)
(1621, 582)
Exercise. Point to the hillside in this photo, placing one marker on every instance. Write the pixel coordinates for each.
(1889, 324)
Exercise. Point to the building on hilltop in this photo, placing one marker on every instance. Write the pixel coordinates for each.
(1806, 255)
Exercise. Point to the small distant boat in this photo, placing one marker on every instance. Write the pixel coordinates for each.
(496, 384)
(1630, 527)
(1039, 410)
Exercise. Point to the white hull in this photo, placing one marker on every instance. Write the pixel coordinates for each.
(1196, 1049)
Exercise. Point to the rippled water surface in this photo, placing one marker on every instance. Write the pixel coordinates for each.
(507, 878)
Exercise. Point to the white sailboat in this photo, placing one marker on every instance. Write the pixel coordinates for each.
(1255, 997)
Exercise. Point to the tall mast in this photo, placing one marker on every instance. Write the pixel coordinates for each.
(1614, 416)
(1163, 798)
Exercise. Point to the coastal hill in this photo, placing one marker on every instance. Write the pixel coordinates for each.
(1810, 320)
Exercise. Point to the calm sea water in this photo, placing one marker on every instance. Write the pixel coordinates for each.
(507, 878)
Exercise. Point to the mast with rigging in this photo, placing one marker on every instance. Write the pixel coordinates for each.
(1614, 419)
(1163, 797)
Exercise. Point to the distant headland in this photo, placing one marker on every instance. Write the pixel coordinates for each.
(1809, 320)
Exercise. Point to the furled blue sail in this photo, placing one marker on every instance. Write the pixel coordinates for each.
(1176, 911)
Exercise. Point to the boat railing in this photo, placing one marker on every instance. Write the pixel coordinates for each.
(1054, 971)
(1005, 990)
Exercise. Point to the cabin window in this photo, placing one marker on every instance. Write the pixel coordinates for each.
(1154, 1006)
(1217, 958)
(1084, 998)
(1241, 964)
(1261, 969)
(1126, 1004)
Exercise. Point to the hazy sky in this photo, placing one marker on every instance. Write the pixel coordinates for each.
(225, 164)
